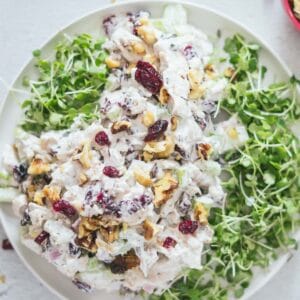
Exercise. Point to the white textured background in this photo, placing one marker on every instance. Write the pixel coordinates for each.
(26, 24)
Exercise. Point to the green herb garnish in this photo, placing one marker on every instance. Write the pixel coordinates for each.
(263, 188)
(67, 86)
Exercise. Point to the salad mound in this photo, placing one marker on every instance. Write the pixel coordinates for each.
(115, 171)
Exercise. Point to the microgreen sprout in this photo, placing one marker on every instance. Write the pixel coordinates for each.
(263, 189)
(67, 86)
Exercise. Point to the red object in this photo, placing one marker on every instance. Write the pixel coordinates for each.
(64, 207)
(148, 77)
(6, 245)
(111, 172)
(289, 9)
(42, 237)
(169, 242)
(188, 226)
(100, 197)
(156, 130)
(101, 138)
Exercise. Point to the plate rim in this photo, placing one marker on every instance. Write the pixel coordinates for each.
(285, 257)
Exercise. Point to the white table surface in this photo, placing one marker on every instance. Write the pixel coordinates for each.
(25, 25)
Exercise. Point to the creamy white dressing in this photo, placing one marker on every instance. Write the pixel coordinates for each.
(127, 100)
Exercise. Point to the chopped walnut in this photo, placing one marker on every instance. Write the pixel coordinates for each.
(86, 155)
(204, 151)
(147, 34)
(30, 191)
(87, 225)
(138, 48)
(160, 149)
(163, 189)
(174, 123)
(130, 67)
(112, 63)
(194, 77)
(210, 71)
(122, 263)
(88, 243)
(197, 91)
(148, 118)
(120, 126)
(149, 229)
(38, 167)
(38, 198)
(147, 156)
(150, 58)
(201, 214)
(82, 179)
(109, 234)
(52, 193)
(163, 96)
(142, 178)
(87, 232)
(229, 72)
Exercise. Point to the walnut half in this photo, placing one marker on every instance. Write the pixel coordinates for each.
(204, 151)
(120, 126)
(149, 230)
(122, 263)
(52, 193)
(160, 149)
(88, 243)
(163, 189)
(109, 234)
(38, 167)
(109, 229)
(142, 178)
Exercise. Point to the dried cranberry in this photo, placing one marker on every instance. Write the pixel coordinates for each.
(42, 237)
(20, 172)
(169, 243)
(189, 52)
(156, 130)
(145, 200)
(6, 245)
(100, 197)
(148, 77)
(82, 285)
(65, 208)
(111, 172)
(188, 226)
(102, 139)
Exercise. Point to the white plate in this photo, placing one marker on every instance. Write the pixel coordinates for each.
(204, 18)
